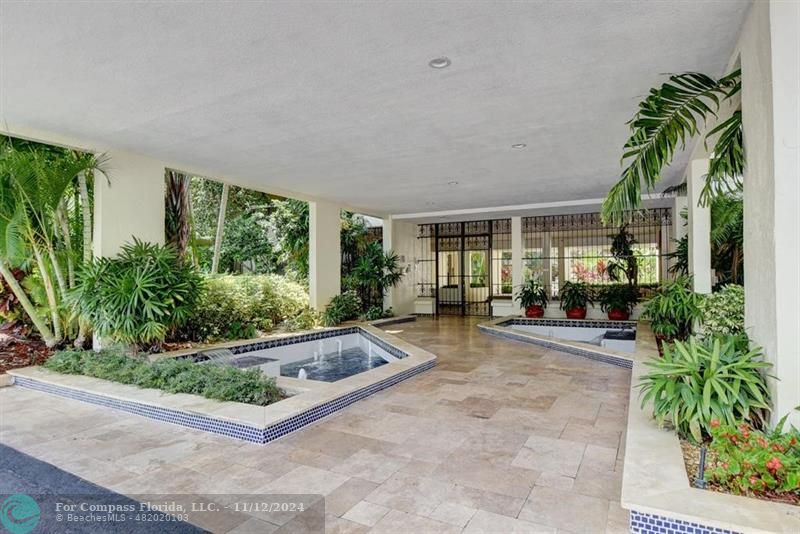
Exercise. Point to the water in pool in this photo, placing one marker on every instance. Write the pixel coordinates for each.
(334, 366)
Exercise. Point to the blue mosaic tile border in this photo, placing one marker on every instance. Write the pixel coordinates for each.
(220, 426)
(641, 523)
(576, 351)
(312, 336)
(582, 323)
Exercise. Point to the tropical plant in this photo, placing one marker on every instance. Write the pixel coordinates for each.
(722, 312)
(138, 297)
(621, 297)
(174, 375)
(575, 295)
(669, 117)
(237, 306)
(531, 293)
(246, 246)
(698, 382)
(38, 215)
(749, 461)
(623, 263)
(291, 217)
(673, 309)
(680, 255)
(341, 308)
(374, 273)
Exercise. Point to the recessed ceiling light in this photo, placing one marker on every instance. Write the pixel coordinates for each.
(519, 145)
(439, 62)
(452, 182)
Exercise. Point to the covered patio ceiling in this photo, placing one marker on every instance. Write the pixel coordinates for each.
(337, 101)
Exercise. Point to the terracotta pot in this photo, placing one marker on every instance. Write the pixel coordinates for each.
(576, 313)
(534, 311)
(618, 315)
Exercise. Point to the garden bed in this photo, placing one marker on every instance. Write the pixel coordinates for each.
(691, 458)
(17, 351)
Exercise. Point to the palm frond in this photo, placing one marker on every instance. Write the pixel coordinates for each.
(726, 164)
(669, 117)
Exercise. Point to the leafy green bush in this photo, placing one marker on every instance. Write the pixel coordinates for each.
(137, 297)
(173, 375)
(622, 297)
(722, 313)
(342, 308)
(575, 295)
(673, 309)
(701, 381)
(239, 306)
(306, 320)
(531, 293)
(748, 461)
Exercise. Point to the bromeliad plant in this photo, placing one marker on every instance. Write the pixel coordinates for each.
(748, 461)
(697, 382)
(574, 298)
(533, 297)
(139, 296)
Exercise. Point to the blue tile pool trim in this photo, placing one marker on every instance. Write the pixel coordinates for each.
(583, 323)
(311, 336)
(599, 356)
(224, 427)
(641, 523)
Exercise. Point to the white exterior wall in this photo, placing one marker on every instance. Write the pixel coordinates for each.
(770, 59)
(324, 253)
(130, 203)
(400, 238)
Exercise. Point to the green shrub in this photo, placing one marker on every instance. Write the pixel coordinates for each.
(747, 461)
(700, 381)
(342, 308)
(240, 306)
(722, 313)
(620, 297)
(307, 319)
(575, 295)
(137, 297)
(171, 374)
(673, 309)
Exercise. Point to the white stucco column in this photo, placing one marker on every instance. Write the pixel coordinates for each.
(400, 238)
(324, 253)
(678, 227)
(516, 255)
(770, 61)
(130, 203)
(699, 227)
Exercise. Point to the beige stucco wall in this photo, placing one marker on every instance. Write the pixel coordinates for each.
(324, 253)
(769, 50)
(401, 238)
(130, 203)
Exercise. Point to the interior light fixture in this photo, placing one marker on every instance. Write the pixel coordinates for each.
(519, 146)
(439, 62)
(452, 182)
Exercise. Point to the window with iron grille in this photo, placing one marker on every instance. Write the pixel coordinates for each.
(577, 247)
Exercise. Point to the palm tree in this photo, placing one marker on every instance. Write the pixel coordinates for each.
(374, 273)
(34, 180)
(667, 119)
(178, 227)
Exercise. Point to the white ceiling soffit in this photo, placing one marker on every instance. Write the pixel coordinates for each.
(336, 100)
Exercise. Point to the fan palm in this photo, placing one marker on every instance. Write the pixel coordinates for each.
(667, 119)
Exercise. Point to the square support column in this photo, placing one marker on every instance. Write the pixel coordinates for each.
(516, 256)
(770, 62)
(129, 204)
(400, 238)
(324, 253)
(699, 228)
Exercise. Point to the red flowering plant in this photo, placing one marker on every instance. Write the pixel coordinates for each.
(747, 461)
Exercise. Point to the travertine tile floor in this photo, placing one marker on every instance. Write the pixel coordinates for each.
(499, 437)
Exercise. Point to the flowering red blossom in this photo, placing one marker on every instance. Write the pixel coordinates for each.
(774, 464)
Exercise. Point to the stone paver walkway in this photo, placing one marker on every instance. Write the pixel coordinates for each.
(499, 437)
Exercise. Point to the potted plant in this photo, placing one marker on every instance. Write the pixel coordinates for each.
(533, 297)
(574, 298)
(673, 310)
(618, 301)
